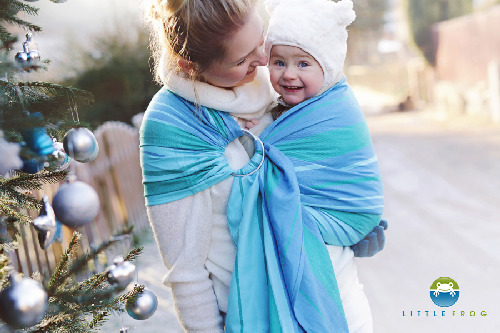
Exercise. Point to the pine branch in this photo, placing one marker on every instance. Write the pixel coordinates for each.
(53, 88)
(22, 23)
(12, 198)
(134, 253)
(9, 208)
(98, 319)
(52, 100)
(32, 182)
(59, 273)
(62, 274)
(22, 200)
(134, 293)
(10, 6)
(62, 323)
(6, 38)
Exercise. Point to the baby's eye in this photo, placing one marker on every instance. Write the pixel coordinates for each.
(303, 64)
(279, 63)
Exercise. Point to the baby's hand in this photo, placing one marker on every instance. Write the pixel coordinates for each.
(251, 123)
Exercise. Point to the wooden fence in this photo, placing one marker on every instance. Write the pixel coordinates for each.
(116, 176)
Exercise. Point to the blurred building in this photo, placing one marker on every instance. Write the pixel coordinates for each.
(467, 64)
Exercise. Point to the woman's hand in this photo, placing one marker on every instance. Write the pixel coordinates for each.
(372, 243)
(251, 123)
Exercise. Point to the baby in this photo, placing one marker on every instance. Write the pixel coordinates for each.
(307, 46)
(306, 59)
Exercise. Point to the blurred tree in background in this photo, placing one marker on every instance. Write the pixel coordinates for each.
(366, 30)
(118, 74)
(371, 16)
(422, 14)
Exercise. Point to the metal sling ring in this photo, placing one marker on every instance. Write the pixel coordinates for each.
(255, 138)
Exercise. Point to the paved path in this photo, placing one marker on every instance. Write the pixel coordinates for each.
(442, 186)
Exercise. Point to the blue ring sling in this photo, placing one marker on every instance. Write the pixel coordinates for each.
(319, 184)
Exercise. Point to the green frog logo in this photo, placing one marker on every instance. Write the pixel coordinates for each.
(444, 292)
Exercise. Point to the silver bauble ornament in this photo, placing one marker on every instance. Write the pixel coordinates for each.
(23, 303)
(46, 224)
(22, 58)
(75, 203)
(81, 145)
(121, 273)
(143, 306)
(58, 160)
(33, 57)
(29, 57)
(58, 1)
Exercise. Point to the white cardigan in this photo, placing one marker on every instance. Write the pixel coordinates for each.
(192, 233)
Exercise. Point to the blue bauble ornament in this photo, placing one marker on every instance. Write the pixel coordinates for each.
(75, 204)
(32, 166)
(37, 139)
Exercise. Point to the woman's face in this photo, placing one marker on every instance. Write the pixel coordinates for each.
(243, 54)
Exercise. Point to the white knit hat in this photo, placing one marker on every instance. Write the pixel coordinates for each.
(316, 26)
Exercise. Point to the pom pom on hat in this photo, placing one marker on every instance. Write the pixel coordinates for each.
(344, 12)
(316, 26)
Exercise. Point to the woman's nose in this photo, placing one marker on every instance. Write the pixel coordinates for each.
(261, 57)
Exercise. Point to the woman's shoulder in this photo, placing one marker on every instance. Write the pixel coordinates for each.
(164, 96)
(164, 100)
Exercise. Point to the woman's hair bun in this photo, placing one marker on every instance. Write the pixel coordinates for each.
(162, 9)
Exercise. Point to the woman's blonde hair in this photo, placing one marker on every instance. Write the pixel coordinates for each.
(194, 30)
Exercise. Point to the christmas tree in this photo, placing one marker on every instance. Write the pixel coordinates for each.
(39, 133)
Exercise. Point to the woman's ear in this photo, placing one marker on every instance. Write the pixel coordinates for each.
(185, 66)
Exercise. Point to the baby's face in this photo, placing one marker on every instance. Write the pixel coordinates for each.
(295, 74)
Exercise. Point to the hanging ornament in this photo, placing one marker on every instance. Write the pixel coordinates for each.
(120, 273)
(37, 139)
(58, 160)
(143, 306)
(46, 224)
(81, 145)
(32, 166)
(9, 153)
(58, 1)
(124, 330)
(23, 303)
(75, 203)
(59, 234)
(29, 58)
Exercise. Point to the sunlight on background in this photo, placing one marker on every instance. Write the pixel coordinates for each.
(69, 28)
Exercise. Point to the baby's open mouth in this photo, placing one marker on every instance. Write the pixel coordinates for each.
(291, 88)
(250, 72)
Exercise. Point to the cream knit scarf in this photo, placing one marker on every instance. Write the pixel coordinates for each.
(247, 101)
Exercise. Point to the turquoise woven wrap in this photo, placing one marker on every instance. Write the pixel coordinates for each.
(319, 183)
(182, 148)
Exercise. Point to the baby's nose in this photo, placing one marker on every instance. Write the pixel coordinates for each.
(289, 73)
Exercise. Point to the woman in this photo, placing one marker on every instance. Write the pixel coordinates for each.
(209, 58)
